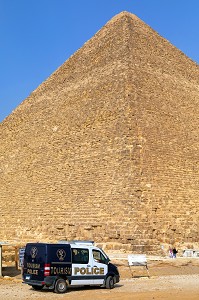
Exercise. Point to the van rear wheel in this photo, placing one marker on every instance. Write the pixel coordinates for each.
(60, 286)
(110, 282)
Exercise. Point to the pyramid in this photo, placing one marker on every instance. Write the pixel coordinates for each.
(107, 147)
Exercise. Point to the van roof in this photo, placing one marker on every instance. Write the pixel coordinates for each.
(78, 242)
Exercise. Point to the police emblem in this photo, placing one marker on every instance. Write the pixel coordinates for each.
(33, 252)
(61, 254)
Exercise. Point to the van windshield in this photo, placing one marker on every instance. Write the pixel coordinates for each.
(107, 258)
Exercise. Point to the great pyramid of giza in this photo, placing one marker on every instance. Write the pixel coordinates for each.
(107, 148)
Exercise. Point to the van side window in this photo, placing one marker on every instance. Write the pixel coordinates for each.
(80, 256)
(98, 256)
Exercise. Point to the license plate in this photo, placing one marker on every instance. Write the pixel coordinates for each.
(28, 277)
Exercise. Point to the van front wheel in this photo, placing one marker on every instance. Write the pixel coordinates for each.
(110, 282)
(60, 286)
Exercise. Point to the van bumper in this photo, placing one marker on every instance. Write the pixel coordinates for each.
(48, 282)
(33, 282)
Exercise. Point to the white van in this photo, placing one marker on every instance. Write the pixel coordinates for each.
(58, 266)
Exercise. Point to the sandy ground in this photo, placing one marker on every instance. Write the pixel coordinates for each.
(169, 279)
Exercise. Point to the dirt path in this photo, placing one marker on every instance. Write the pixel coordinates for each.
(165, 287)
(169, 279)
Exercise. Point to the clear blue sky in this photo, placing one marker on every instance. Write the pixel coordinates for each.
(37, 36)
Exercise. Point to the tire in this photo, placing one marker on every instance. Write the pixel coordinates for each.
(60, 286)
(110, 282)
(37, 287)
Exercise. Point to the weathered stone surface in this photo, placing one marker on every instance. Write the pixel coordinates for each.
(107, 147)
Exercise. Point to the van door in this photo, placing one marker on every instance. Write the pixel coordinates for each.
(34, 261)
(59, 256)
(81, 267)
(100, 266)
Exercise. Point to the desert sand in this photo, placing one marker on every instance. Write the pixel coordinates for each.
(169, 279)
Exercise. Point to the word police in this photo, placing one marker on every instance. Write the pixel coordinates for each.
(87, 271)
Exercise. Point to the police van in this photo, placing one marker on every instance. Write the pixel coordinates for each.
(58, 266)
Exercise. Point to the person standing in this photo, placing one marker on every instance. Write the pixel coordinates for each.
(174, 252)
(170, 252)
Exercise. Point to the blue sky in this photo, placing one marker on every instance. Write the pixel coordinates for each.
(37, 36)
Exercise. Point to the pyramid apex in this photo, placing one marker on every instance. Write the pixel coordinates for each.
(124, 14)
